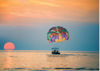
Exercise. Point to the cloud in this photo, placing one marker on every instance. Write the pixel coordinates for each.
(41, 10)
(46, 3)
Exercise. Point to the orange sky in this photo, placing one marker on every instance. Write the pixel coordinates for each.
(52, 10)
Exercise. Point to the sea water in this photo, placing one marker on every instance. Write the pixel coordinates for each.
(31, 60)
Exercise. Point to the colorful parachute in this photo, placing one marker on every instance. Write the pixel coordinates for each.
(57, 34)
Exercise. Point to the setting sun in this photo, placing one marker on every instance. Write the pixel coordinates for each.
(9, 46)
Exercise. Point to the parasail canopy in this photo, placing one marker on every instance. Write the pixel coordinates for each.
(57, 34)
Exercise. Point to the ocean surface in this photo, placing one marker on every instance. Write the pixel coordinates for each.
(31, 60)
